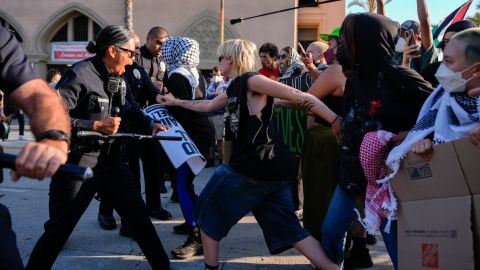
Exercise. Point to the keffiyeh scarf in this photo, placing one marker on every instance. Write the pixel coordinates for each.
(292, 64)
(379, 199)
(182, 56)
(448, 116)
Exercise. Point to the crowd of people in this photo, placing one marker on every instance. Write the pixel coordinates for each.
(372, 80)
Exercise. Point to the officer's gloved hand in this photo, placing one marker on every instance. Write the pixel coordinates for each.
(159, 127)
(108, 125)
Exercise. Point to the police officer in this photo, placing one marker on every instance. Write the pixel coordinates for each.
(149, 151)
(49, 123)
(91, 88)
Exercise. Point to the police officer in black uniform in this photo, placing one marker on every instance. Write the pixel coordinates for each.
(150, 151)
(92, 89)
(49, 123)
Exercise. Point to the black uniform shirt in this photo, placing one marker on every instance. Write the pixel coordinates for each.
(154, 66)
(142, 87)
(14, 67)
(83, 88)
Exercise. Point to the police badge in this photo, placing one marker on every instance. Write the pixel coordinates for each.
(137, 74)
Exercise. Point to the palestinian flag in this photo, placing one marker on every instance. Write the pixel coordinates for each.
(457, 15)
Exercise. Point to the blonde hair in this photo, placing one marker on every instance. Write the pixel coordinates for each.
(243, 54)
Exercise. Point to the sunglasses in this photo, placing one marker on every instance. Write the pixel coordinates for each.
(130, 53)
(282, 56)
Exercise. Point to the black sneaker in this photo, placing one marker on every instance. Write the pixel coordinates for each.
(189, 249)
(371, 240)
(107, 222)
(359, 258)
(160, 214)
(182, 228)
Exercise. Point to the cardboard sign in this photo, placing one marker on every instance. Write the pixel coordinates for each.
(292, 123)
(178, 152)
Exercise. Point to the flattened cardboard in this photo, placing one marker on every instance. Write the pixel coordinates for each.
(435, 234)
(441, 177)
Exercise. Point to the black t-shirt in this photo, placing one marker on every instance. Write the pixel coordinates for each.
(14, 67)
(258, 151)
(196, 124)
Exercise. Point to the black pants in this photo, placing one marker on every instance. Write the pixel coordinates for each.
(9, 255)
(153, 157)
(69, 198)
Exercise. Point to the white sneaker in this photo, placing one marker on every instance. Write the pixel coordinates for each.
(22, 138)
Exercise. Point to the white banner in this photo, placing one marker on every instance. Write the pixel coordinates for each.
(178, 152)
(69, 52)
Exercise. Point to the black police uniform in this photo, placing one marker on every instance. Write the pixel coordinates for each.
(149, 151)
(84, 89)
(154, 66)
(14, 71)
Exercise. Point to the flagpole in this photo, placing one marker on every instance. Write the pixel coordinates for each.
(222, 21)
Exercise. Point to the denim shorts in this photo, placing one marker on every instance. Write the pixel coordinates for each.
(228, 197)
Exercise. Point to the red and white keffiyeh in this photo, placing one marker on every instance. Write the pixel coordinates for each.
(380, 201)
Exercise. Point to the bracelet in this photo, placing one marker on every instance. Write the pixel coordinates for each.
(333, 122)
(54, 134)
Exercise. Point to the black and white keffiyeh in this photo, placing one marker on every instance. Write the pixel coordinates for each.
(449, 116)
(182, 56)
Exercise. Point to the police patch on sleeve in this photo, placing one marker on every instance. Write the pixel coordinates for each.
(137, 74)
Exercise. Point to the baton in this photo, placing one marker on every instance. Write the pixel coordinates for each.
(120, 135)
(66, 170)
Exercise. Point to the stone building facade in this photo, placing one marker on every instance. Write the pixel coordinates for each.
(39, 23)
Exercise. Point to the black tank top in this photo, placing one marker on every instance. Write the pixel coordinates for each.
(335, 104)
(258, 151)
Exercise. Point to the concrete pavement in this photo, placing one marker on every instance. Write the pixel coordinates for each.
(92, 248)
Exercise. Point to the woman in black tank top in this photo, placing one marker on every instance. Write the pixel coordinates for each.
(258, 160)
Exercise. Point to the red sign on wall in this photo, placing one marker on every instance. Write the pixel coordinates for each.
(69, 52)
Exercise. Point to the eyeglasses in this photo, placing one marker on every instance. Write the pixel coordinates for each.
(282, 56)
(130, 53)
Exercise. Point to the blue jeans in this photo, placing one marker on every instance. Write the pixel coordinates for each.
(229, 196)
(338, 221)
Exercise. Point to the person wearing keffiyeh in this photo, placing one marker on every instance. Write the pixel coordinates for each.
(289, 63)
(448, 113)
(182, 56)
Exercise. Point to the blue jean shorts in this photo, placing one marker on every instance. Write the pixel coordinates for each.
(228, 197)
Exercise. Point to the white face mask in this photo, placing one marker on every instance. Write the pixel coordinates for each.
(452, 81)
(400, 46)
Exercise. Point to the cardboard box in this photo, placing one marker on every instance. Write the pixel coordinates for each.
(439, 208)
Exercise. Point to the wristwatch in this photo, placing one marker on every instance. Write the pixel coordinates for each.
(54, 134)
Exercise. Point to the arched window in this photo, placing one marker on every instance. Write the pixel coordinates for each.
(77, 28)
(5, 24)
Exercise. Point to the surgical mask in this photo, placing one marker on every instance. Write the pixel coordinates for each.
(329, 55)
(400, 46)
(452, 81)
